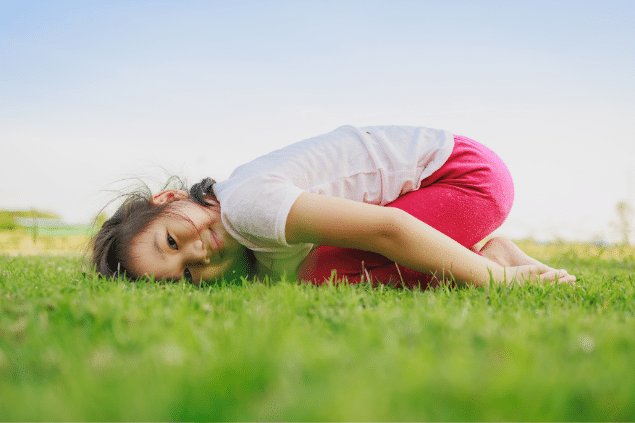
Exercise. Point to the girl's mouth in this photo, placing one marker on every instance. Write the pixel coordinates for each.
(216, 243)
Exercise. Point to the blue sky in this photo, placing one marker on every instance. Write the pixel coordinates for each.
(93, 92)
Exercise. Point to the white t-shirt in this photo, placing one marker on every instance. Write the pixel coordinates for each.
(372, 164)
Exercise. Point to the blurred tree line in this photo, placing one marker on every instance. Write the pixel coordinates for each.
(7, 217)
(624, 224)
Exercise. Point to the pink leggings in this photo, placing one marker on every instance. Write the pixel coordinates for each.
(467, 199)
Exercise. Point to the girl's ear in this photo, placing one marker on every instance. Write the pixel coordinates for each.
(169, 196)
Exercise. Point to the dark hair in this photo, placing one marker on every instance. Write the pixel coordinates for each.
(201, 189)
(111, 245)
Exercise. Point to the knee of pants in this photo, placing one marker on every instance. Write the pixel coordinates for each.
(320, 263)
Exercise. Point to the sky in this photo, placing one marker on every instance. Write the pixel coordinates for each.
(94, 93)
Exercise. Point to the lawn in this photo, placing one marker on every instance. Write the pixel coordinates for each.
(74, 347)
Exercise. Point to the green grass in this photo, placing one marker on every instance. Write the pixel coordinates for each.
(73, 347)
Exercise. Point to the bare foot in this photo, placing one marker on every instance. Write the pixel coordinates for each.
(506, 253)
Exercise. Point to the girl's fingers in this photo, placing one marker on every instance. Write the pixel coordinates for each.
(559, 276)
(543, 273)
(568, 279)
(549, 276)
(564, 277)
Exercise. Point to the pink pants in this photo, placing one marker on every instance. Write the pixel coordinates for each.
(467, 199)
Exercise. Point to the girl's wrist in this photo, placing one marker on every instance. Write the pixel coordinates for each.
(498, 274)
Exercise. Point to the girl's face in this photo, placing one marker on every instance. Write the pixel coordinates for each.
(189, 241)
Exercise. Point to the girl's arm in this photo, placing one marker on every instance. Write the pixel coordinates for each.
(393, 233)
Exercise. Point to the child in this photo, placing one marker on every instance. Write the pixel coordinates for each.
(315, 207)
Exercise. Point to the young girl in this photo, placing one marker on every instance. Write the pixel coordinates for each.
(387, 204)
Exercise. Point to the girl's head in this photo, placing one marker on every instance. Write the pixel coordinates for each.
(170, 235)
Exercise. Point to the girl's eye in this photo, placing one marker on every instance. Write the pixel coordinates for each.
(187, 275)
(172, 243)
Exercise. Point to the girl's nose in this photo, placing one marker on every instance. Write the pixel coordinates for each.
(197, 252)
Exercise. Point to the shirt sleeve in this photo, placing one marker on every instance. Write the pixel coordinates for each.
(254, 210)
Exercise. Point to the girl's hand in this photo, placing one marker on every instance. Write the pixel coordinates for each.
(538, 273)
